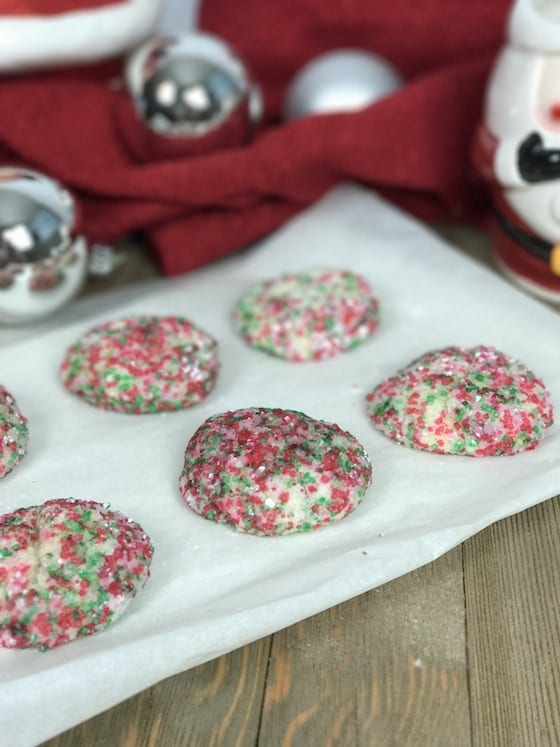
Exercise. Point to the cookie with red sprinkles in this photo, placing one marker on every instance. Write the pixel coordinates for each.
(13, 433)
(308, 315)
(143, 364)
(270, 472)
(472, 401)
(68, 568)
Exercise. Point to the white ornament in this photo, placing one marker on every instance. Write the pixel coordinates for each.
(344, 80)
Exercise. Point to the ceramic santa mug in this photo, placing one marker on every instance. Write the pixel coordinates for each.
(518, 148)
(47, 33)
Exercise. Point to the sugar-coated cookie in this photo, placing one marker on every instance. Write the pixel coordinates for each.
(473, 401)
(68, 568)
(13, 433)
(142, 364)
(308, 315)
(270, 471)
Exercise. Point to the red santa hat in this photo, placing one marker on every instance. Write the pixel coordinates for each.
(46, 33)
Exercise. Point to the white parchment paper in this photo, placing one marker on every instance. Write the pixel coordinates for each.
(213, 590)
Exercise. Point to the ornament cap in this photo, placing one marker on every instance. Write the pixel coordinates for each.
(342, 80)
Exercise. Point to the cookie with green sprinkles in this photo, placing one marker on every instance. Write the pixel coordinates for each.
(143, 364)
(270, 472)
(13, 433)
(472, 401)
(308, 316)
(68, 568)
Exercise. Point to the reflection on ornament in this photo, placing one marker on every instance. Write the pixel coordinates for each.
(43, 262)
(344, 80)
(190, 85)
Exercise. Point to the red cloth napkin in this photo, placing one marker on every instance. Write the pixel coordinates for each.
(196, 203)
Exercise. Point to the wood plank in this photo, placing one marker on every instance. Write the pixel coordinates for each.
(217, 704)
(477, 243)
(386, 669)
(513, 632)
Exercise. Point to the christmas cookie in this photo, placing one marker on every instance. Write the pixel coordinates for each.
(13, 433)
(473, 401)
(308, 316)
(68, 568)
(270, 471)
(142, 364)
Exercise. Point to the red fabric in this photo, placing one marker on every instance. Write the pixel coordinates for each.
(49, 7)
(195, 205)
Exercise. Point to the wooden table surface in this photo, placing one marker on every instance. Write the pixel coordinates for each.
(462, 652)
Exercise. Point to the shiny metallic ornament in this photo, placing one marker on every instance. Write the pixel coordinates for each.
(43, 262)
(190, 85)
(344, 80)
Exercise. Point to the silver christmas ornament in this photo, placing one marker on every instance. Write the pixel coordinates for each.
(344, 80)
(189, 85)
(43, 262)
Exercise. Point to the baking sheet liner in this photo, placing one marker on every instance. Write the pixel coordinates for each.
(212, 589)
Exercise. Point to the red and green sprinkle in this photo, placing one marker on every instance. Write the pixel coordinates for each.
(68, 568)
(269, 471)
(472, 401)
(142, 364)
(13, 433)
(309, 315)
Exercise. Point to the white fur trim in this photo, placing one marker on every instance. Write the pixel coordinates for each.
(75, 37)
(535, 25)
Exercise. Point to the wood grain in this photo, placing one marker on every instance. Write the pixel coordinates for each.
(387, 668)
(214, 705)
(513, 632)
